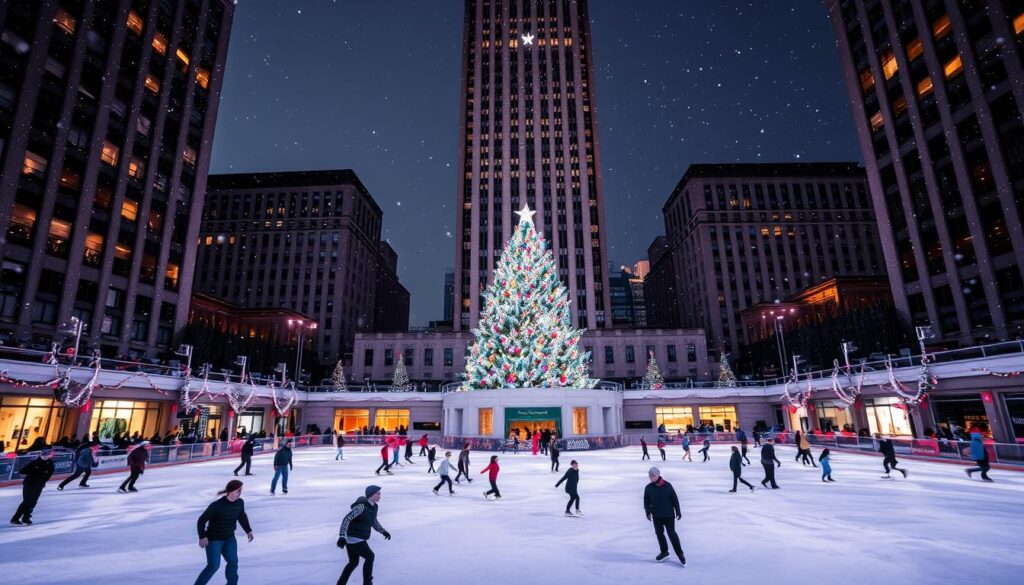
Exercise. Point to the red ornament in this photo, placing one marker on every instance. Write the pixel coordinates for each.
(561, 379)
(792, 410)
(511, 378)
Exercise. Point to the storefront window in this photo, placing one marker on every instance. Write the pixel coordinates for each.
(24, 419)
(883, 417)
(961, 412)
(674, 417)
(1015, 412)
(110, 417)
(485, 416)
(392, 418)
(833, 416)
(723, 416)
(250, 421)
(350, 420)
(579, 420)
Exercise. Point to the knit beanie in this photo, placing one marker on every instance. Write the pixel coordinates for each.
(372, 489)
(654, 471)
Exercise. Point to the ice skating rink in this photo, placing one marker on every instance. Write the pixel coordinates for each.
(935, 527)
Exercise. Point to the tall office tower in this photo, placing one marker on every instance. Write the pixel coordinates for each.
(449, 294)
(937, 89)
(528, 137)
(107, 111)
(740, 234)
(308, 241)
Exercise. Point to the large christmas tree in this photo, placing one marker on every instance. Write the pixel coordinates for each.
(400, 381)
(338, 378)
(726, 379)
(653, 378)
(525, 337)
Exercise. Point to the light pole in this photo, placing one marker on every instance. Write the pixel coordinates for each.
(75, 327)
(242, 360)
(186, 351)
(302, 326)
(780, 344)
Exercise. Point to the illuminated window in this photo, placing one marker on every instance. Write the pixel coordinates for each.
(941, 27)
(203, 78)
(350, 420)
(877, 121)
(60, 234)
(777, 231)
(69, 179)
(953, 67)
(130, 210)
(182, 56)
(674, 417)
(171, 276)
(924, 87)
(209, 240)
(391, 418)
(23, 219)
(93, 249)
(156, 221)
(579, 420)
(764, 231)
(485, 422)
(160, 43)
(136, 168)
(134, 22)
(122, 252)
(724, 416)
(899, 105)
(889, 65)
(152, 84)
(1018, 23)
(34, 164)
(64, 20)
(109, 153)
(189, 156)
(914, 49)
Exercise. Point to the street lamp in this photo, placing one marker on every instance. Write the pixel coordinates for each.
(242, 360)
(186, 350)
(75, 327)
(780, 344)
(302, 326)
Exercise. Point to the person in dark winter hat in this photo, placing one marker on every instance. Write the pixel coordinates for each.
(736, 465)
(554, 452)
(37, 472)
(282, 465)
(136, 466)
(571, 479)
(431, 457)
(247, 448)
(885, 447)
(661, 505)
(216, 528)
(354, 534)
(85, 459)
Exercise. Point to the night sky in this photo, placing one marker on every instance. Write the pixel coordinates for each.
(374, 86)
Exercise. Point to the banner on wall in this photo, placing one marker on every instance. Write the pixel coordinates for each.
(568, 444)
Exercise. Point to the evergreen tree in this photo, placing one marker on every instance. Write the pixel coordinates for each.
(400, 381)
(525, 337)
(653, 378)
(338, 378)
(726, 379)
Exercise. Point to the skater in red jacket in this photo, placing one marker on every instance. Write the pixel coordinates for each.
(492, 476)
(423, 444)
(386, 466)
(536, 441)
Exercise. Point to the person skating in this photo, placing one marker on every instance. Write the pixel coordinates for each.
(826, 464)
(545, 441)
(769, 462)
(743, 445)
(554, 452)
(492, 476)
(354, 534)
(85, 460)
(686, 448)
(431, 457)
(408, 449)
(535, 442)
(136, 466)
(386, 465)
(805, 451)
(464, 464)
(339, 445)
(36, 473)
(704, 450)
(757, 438)
(736, 465)
(247, 448)
(797, 438)
(282, 465)
(643, 445)
(885, 447)
(396, 450)
(424, 442)
(661, 446)
(444, 469)
(572, 480)
(661, 505)
(980, 455)
(217, 527)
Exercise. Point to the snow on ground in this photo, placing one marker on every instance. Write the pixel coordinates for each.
(935, 527)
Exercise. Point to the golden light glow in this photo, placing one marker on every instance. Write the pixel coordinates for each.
(914, 49)
(877, 121)
(134, 22)
(109, 153)
(136, 168)
(34, 164)
(1018, 23)
(64, 20)
(130, 210)
(924, 87)
(182, 56)
(171, 275)
(203, 78)
(160, 44)
(941, 27)
(867, 80)
(152, 84)
(889, 65)
(953, 67)
(122, 252)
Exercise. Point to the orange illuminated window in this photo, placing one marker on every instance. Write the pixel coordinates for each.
(93, 248)
(152, 84)
(867, 80)
(109, 153)
(130, 210)
(135, 168)
(941, 27)
(64, 20)
(189, 156)
(877, 121)
(156, 221)
(899, 105)
(203, 78)
(889, 65)
(953, 67)
(1018, 23)
(122, 252)
(171, 276)
(914, 49)
(160, 44)
(69, 179)
(34, 164)
(924, 87)
(182, 56)
(134, 22)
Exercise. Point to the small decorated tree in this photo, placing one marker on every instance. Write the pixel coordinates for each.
(525, 337)
(338, 378)
(400, 381)
(726, 379)
(653, 378)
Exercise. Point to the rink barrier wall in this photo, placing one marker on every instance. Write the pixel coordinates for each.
(115, 460)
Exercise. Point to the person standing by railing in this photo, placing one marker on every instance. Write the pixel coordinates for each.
(216, 526)
(885, 447)
(282, 465)
(137, 466)
(769, 462)
(464, 464)
(247, 450)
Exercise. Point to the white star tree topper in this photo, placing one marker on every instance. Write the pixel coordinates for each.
(527, 38)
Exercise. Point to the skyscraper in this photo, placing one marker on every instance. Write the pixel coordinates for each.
(107, 113)
(937, 90)
(528, 136)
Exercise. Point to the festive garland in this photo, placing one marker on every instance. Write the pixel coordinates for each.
(283, 410)
(233, 394)
(847, 395)
(801, 399)
(997, 374)
(926, 382)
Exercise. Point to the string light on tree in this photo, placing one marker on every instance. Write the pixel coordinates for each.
(400, 381)
(726, 379)
(338, 378)
(653, 378)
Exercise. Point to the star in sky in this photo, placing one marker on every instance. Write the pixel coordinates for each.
(526, 214)
(527, 39)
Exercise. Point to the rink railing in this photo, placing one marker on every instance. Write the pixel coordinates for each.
(115, 459)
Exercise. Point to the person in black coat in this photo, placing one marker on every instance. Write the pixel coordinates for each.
(769, 461)
(571, 479)
(355, 534)
(736, 465)
(661, 505)
(888, 452)
(339, 443)
(37, 472)
(431, 457)
(216, 528)
(247, 449)
(136, 466)
(643, 445)
(282, 464)
(554, 452)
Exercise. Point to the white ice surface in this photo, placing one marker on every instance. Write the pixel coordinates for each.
(935, 527)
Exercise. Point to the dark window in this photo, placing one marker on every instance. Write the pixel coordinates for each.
(368, 357)
(671, 353)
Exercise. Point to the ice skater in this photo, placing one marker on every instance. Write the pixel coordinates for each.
(464, 464)
(757, 438)
(136, 466)
(444, 469)
(247, 448)
(980, 455)
(572, 480)
(661, 446)
(643, 445)
(535, 442)
(888, 452)
(736, 465)
(431, 457)
(686, 448)
(282, 465)
(826, 464)
(339, 445)
(769, 462)
(354, 534)
(85, 460)
(396, 448)
(36, 472)
(408, 449)
(804, 451)
(554, 452)
(704, 450)
(743, 449)
(492, 476)
(661, 505)
(217, 527)
(386, 465)
(424, 442)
